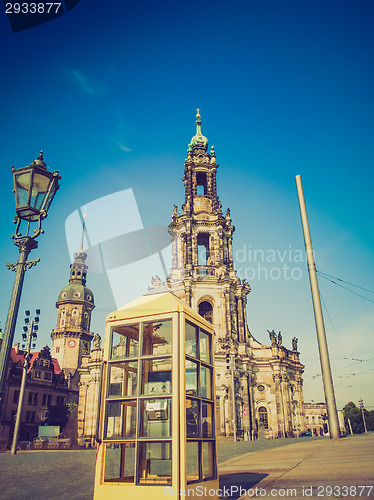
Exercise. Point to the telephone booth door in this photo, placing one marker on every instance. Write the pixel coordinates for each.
(156, 425)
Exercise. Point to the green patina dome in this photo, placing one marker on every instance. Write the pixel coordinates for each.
(76, 292)
(198, 141)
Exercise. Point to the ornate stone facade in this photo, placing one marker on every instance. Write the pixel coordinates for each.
(257, 386)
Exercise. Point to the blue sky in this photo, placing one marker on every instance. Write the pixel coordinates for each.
(284, 88)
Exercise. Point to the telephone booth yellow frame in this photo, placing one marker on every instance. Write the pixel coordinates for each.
(156, 415)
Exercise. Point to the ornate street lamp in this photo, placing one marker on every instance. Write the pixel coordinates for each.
(34, 189)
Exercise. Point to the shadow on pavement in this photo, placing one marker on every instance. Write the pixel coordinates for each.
(235, 485)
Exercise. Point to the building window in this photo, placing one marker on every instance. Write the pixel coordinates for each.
(30, 417)
(37, 374)
(60, 401)
(62, 322)
(57, 350)
(15, 396)
(263, 417)
(47, 376)
(202, 249)
(206, 311)
(33, 399)
(47, 399)
(202, 188)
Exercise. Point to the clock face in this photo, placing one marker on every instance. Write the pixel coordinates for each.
(72, 343)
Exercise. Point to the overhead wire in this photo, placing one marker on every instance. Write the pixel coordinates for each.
(332, 324)
(345, 288)
(348, 283)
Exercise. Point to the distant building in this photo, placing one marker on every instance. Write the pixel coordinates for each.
(71, 345)
(46, 395)
(316, 418)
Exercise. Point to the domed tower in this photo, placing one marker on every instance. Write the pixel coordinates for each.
(71, 339)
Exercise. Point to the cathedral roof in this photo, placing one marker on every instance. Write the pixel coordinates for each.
(198, 141)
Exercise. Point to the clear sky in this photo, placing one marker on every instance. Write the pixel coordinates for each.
(109, 92)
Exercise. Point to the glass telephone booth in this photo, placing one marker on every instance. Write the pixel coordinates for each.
(156, 418)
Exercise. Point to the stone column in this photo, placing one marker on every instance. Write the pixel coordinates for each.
(82, 405)
(174, 242)
(246, 405)
(230, 256)
(244, 303)
(209, 184)
(188, 244)
(277, 377)
(228, 312)
(241, 333)
(286, 403)
(194, 249)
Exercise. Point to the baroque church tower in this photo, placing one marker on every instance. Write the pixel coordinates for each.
(71, 338)
(202, 270)
(258, 387)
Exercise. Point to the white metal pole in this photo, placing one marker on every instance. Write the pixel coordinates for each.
(350, 426)
(320, 327)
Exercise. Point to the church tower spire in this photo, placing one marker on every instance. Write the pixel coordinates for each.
(71, 338)
(202, 270)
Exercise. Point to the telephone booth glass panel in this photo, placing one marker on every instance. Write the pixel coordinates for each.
(157, 338)
(120, 462)
(200, 426)
(154, 463)
(125, 341)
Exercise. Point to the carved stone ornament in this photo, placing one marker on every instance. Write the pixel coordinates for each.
(96, 342)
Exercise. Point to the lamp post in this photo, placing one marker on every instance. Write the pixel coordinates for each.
(362, 413)
(31, 329)
(230, 365)
(34, 190)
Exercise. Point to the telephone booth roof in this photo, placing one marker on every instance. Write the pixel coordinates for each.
(155, 303)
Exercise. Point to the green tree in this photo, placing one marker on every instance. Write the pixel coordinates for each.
(353, 413)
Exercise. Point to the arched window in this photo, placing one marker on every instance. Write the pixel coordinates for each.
(263, 417)
(201, 184)
(206, 311)
(202, 249)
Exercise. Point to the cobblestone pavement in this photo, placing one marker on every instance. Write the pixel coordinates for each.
(274, 465)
